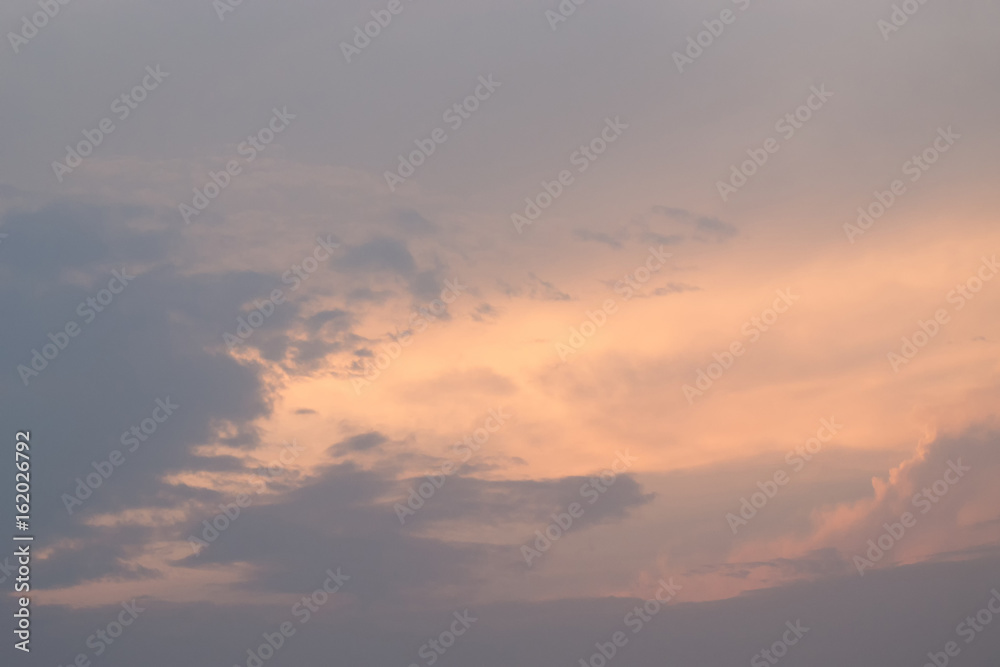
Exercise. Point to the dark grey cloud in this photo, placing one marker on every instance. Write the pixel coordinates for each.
(535, 288)
(411, 222)
(597, 237)
(484, 312)
(684, 225)
(884, 619)
(337, 320)
(530, 502)
(109, 555)
(66, 235)
(359, 443)
(380, 255)
(159, 339)
(367, 294)
(339, 518)
(675, 288)
(297, 531)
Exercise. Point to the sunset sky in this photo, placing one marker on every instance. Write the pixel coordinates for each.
(524, 312)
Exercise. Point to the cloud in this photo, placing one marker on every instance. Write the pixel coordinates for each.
(675, 288)
(597, 237)
(705, 229)
(894, 624)
(534, 288)
(381, 254)
(362, 442)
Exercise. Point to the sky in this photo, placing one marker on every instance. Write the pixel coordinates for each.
(411, 333)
